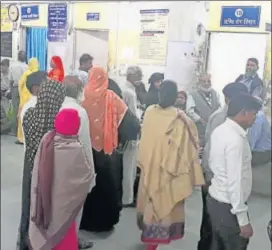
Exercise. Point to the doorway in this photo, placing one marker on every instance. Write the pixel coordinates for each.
(228, 53)
(93, 42)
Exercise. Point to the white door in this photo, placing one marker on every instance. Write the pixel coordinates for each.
(228, 54)
(180, 63)
(93, 42)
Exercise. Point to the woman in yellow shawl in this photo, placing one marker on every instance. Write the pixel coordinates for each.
(170, 168)
(33, 66)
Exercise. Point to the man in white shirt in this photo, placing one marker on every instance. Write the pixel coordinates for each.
(134, 78)
(230, 162)
(230, 91)
(74, 95)
(85, 64)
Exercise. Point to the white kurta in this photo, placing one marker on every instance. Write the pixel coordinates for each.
(31, 103)
(130, 154)
(84, 138)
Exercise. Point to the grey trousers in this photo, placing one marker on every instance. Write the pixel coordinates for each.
(225, 227)
(129, 172)
(15, 98)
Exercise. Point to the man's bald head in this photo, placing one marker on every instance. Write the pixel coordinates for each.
(73, 86)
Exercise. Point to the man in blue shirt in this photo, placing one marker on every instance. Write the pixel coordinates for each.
(259, 136)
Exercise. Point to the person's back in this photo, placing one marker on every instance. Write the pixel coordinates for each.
(259, 136)
(168, 158)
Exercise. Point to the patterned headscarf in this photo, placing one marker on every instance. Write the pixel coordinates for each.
(40, 119)
(105, 111)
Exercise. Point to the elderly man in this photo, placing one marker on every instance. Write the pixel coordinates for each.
(201, 104)
(251, 78)
(134, 79)
(16, 71)
(230, 91)
(74, 95)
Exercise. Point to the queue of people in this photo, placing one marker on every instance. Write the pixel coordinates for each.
(84, 139)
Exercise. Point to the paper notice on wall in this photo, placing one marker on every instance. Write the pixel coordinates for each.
(6, 24)
(153, 36)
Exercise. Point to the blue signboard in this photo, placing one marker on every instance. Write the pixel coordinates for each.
(93, 16)
(57, 22)
(240, 16)
(30, 12)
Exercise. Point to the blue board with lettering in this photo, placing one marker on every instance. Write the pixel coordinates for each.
(91, 16)
(240, 16)
(30, 13)
(57, 22)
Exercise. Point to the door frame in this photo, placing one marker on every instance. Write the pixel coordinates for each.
(75, 43)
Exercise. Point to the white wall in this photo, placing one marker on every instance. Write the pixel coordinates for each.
(184, 16)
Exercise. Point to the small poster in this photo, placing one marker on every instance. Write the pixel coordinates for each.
(92, 16)
(57, 22)
(6, 24)
(153, 36)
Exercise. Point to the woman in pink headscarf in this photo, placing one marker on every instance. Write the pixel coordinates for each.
(60, 183)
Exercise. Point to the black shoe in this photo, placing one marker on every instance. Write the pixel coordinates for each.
(131, 205)
(19, 143)
(84, 244)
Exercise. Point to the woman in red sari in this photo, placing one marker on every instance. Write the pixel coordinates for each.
(57, 71)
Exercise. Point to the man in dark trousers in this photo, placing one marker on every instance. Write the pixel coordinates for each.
(251, 78)
(231, 185)
(230, 91)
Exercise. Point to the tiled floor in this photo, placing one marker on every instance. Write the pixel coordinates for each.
(126, 235)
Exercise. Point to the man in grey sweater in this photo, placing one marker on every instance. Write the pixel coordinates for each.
(201, 104)
(230, 91)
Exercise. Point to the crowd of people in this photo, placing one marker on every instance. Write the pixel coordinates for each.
(93, 148)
